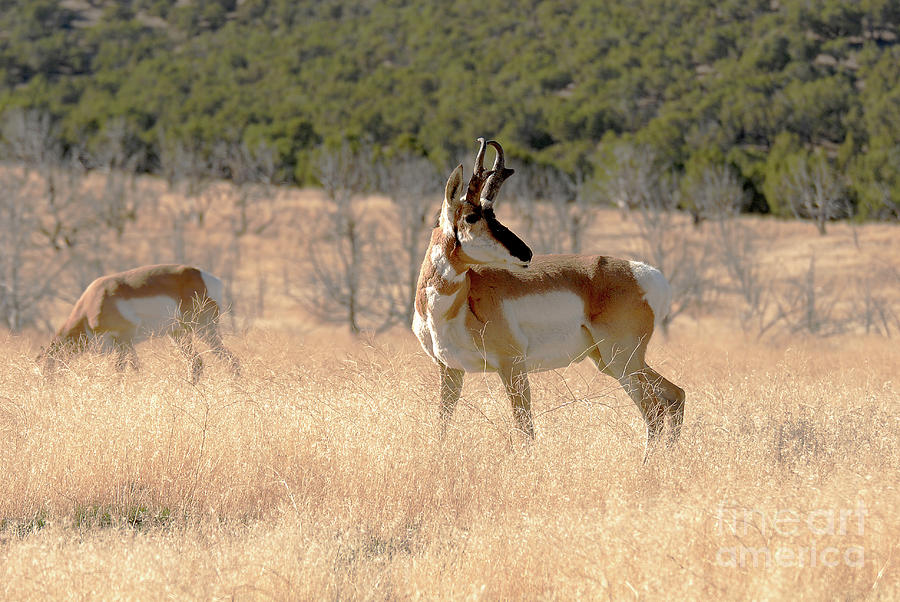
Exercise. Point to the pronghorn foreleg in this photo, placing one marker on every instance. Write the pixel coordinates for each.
(126, 355)
(451, 389)
(515, 380)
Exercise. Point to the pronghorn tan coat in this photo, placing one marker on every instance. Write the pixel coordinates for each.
(119, 310)
(484, 303)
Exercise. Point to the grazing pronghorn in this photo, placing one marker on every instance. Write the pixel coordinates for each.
(484, 303)
(122, 309)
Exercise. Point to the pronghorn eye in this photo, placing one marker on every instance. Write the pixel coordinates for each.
(472, 218)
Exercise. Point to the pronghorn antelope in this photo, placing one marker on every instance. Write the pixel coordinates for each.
(118, 310)
(485, 303)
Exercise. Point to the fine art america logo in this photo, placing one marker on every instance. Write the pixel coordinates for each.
(799, 534)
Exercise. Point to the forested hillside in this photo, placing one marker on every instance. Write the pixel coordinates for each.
(781, 92)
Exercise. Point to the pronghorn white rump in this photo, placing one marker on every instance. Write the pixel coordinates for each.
(119, 310)
(657, 291)
(484, 302)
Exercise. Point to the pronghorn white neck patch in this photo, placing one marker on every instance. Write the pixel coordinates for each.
(657, 291)
(442, 265)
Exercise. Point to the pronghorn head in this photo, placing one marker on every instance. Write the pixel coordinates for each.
(469, 218)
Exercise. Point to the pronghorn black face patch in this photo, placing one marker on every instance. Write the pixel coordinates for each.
(516, 246)
(486, 241)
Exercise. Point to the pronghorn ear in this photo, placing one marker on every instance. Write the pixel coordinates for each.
(453, 190)
(452, 194)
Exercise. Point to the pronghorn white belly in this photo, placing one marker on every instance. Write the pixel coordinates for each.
(150, 315)
(550, 328)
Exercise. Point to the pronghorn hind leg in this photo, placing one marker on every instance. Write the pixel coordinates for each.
(674, 398)
(211, 335)
(626, 364)
(643, 391)
(451, 389)
(515, 380)
(185, 342)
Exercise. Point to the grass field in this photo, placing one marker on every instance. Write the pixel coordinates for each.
(319, 474)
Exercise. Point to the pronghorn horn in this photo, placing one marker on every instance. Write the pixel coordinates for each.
(499, 174)
(479, 175)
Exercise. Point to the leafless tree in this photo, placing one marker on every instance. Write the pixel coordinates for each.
(413, 186)
(252, 174)
(572, 205)
(877, 312)
(525, 190)
(628, 176)
(118, 203)
(190, 176)
(668, 245)
(250, 202)
(554, 207)
(816, 191)
(28, 269)
(737, 248)
(30, 137)
(716, 194)
(634, 179)
(45, 214)
(343, 247)
(890, 205)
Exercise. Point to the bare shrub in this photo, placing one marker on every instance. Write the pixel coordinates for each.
(816, 191)
(806, 305)
(876, 312)
(800, 438)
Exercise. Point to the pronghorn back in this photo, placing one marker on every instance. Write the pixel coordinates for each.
(150, 297)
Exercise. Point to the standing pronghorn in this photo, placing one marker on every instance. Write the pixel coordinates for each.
(483, 303)
(119, 310)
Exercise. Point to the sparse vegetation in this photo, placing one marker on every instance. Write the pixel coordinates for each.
(320, 473)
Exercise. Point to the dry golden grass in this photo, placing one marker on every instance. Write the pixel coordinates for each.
(319, 474)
